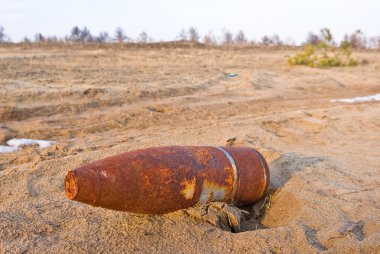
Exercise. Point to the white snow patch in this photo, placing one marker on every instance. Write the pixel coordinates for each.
(375, 97)
(8, 149)
(25, 142)
(15, 143)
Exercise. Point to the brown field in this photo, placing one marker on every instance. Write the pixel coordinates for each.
(100, 101)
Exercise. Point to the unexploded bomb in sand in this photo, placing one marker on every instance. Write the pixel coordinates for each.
(165, 179)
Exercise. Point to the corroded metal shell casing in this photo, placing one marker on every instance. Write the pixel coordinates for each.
(165, 179)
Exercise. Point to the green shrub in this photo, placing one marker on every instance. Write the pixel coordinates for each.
(324, 53)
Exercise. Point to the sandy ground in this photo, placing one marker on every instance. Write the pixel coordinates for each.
(324, 157)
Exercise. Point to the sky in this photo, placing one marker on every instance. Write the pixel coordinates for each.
(163, 19)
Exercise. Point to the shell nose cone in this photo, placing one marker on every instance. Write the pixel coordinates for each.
(71, 185)
(83, 184)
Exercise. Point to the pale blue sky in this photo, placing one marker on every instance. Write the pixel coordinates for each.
(163, 19)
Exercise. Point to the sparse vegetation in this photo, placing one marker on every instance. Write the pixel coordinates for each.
(319, 50)
(324, 52)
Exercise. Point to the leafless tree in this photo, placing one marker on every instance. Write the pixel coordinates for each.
(2, 35)
(193, 34)
(289, 42)
(85, 35)
(357, 40)
(120, 35)
(103, 37)
(26, 40)
(52, 39)
(182, 35)
(312, 39)
(38, 37)
(143, 37)
(227, 38)
(209, 39)
(80, 35)
(75, 34)
(273, 40)
(276, 40)
(377, 42)
(373, 42)
(265, 40)
(240, 38)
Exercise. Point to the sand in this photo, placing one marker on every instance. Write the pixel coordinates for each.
(324, 156)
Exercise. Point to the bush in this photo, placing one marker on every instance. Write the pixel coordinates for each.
(324, 53)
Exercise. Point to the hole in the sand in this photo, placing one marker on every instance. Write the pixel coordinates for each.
(231, 218)
(257, 213)
(278, 208)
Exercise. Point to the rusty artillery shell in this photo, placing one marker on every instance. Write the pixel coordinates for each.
(164, 179)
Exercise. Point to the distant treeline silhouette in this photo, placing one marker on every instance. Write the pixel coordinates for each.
(83, 35)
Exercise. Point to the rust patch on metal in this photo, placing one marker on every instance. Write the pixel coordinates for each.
(203, 156)
(188, 188)
(212, 192)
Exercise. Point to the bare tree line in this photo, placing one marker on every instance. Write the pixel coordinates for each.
(83, 35)
(356, 40)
